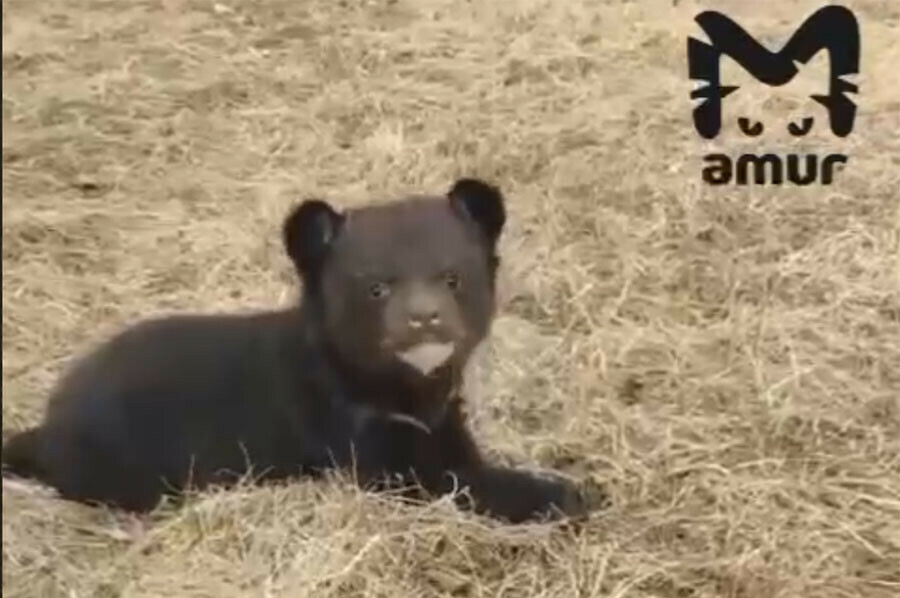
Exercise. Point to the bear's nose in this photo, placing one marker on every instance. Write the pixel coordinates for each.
(423, 308)
(428, 318)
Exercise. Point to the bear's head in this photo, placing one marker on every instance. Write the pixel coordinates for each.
(408, 284)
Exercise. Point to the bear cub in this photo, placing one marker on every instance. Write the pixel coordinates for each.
(362, 374)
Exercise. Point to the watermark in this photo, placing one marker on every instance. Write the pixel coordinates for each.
(833, 28)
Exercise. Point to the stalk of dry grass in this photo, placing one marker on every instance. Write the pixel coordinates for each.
(724, 359)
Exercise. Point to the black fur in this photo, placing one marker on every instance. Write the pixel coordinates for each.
(484, 204)
(194, 400)
(307, 232)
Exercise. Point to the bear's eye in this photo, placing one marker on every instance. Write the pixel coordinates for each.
(452, 279)
(379, 290)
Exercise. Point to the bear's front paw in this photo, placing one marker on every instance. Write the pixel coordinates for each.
(518, 495)
(561, 497)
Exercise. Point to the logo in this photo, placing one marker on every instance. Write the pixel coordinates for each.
(832, 28)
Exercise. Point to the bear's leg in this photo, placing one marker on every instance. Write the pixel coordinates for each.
(515, 495)
(512, 494)
(85, 469)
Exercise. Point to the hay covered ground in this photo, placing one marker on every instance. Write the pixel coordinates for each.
(724, 359)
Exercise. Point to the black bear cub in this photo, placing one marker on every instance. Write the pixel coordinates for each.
(363, 374)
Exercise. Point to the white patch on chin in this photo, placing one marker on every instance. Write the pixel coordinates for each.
(426, 357)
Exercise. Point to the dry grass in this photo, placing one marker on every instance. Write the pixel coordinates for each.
(725, 359)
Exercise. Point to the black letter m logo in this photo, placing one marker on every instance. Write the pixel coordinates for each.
(831, 27)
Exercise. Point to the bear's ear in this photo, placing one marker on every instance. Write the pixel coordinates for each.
(483, 203)
(308, 232)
